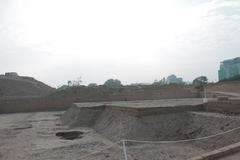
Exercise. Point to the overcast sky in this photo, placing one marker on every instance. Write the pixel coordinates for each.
(131, 40)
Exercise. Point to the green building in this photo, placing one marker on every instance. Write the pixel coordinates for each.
(229, 69)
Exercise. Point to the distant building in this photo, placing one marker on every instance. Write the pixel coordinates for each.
(229, 69)
(11, 74)
(172, 79)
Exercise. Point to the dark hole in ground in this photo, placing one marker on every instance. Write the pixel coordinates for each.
(71, 135)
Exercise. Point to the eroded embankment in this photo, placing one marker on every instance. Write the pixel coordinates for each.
(116, 124)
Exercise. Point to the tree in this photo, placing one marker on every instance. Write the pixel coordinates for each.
(200, 81)
(63, 87)
(77, 82)
(113, 83)
(69, 83)
(160, 82)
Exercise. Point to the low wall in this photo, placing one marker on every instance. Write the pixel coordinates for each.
(157, 110)
(221, 152)
(32, 105)
(48, 104)
(64, 101)
(228, 106)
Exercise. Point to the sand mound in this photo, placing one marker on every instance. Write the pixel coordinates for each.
(171, 123)
(23, 86)
(116, 125)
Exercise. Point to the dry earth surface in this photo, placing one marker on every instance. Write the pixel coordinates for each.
(32, 136)
(235, 156)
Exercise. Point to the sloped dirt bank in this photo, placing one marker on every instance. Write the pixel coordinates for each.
(117, 124)
(156, 121)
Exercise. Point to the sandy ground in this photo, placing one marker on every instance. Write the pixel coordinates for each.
(235, 156)
(31, 136)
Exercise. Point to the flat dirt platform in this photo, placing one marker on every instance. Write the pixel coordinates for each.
(147, 103)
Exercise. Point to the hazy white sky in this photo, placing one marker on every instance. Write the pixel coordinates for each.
(132, 40)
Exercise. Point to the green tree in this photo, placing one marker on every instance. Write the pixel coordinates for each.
(69, 83)
(200, 81)
(113, 83)
(77, 82)
(160, 82)
(63, 87)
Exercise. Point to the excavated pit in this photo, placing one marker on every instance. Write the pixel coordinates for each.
(70, 135)
(154, 123)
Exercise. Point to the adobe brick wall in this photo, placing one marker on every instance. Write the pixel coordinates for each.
(62, 102)
(228, 106)
(231, 86)
(31, 105)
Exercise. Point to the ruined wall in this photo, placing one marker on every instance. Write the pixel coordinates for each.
(64, 100)
(231, 86)
(32, 105)
(164, 92)
(117, 123)
(228, 106)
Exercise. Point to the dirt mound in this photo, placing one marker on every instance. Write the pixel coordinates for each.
(22, 86)
(82, 117)
(117, 125)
